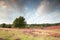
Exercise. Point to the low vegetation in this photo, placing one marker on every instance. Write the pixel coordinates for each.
(28, 34)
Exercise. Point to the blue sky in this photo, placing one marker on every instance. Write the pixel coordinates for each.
(34, 11)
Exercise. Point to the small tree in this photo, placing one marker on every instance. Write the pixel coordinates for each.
(19, 22)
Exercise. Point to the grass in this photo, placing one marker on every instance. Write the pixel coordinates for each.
(28, 34)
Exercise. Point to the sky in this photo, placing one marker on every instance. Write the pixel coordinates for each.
(34, 11)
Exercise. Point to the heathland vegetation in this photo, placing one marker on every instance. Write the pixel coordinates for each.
(20, 30)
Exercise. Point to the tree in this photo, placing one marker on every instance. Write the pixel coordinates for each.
(19, 22)
(3, 25)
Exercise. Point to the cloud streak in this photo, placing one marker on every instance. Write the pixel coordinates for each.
(48, 6)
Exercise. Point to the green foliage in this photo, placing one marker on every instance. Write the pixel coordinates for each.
(19, 22)
(3, 25)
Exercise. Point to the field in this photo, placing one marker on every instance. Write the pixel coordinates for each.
(30, 34)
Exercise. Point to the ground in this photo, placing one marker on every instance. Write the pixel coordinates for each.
(29, 34)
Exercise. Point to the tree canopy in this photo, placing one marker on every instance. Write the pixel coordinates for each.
(19, 22)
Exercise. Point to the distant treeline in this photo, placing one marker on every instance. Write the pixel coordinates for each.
(42, 25)
(3, 25)
(30, 25)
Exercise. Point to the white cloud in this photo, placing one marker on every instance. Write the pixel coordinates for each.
(42, 8)
(4, 12)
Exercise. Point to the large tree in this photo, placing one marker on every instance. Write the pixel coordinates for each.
(19, 22)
